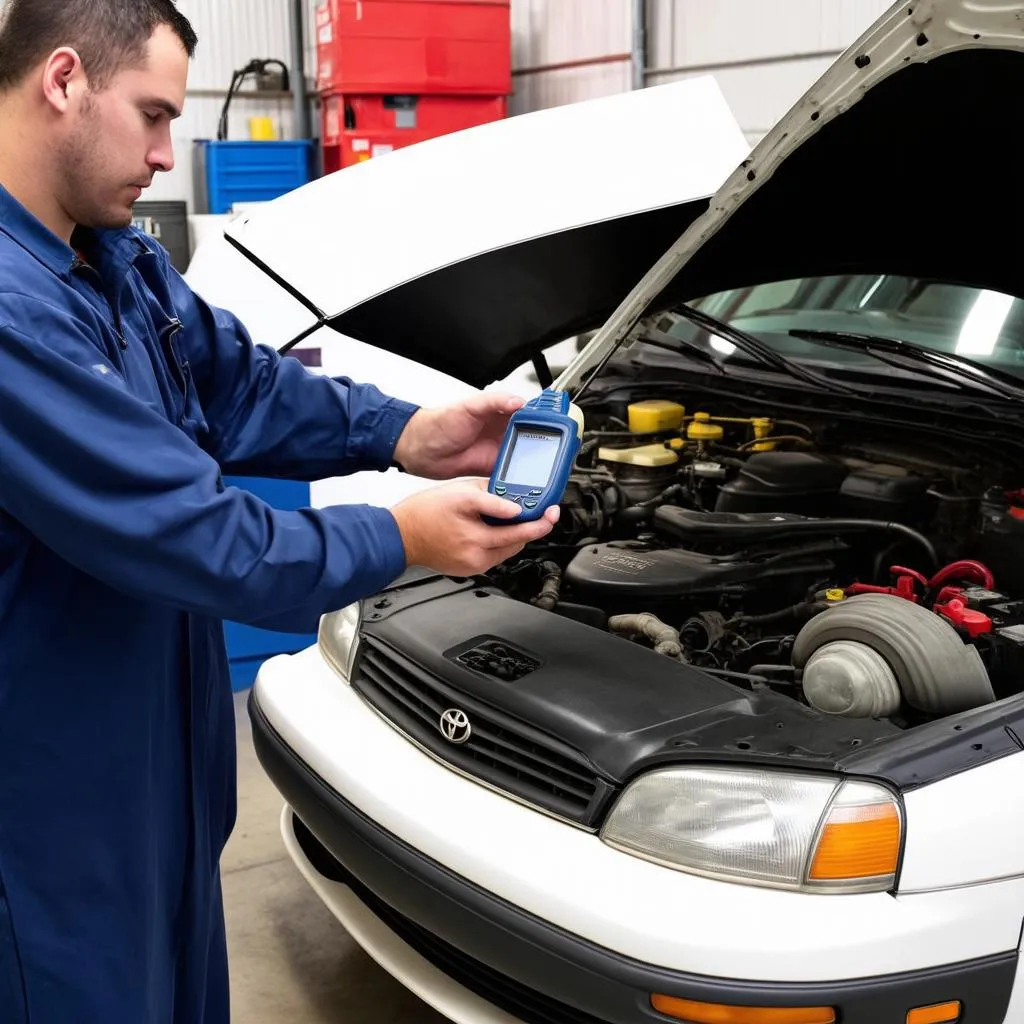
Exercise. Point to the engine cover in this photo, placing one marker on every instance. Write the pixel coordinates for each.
(630, 569)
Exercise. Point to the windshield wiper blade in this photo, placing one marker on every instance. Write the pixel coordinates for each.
(943, 365)
(763, 353)
(669, 342)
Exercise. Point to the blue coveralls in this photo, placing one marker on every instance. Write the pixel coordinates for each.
(123, 400)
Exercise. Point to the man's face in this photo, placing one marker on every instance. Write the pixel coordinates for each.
(120, 137)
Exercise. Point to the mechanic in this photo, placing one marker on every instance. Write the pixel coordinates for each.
(124, 398)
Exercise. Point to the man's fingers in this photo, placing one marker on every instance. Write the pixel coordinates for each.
(486, 504)
(515, 535)
(489, 403)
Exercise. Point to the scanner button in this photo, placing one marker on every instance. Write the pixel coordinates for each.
(530, 504)
(499, 490)
(536, 494)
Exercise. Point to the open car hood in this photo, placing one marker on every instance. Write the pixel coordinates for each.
(900, 160)
(472, 252)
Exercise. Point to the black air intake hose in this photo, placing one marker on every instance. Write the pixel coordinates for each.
(746, 528)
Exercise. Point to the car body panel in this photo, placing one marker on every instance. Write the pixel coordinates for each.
(399, 959)
(973, 819)
(570, 878)
(592, 191)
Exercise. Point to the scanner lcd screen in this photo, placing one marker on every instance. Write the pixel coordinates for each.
(532, 457)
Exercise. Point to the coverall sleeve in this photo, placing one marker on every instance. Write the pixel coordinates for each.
(268, 415)
(111, 486)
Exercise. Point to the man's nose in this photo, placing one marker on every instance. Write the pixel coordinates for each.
(161, 156)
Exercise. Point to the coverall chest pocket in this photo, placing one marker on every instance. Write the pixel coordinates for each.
(188, 412)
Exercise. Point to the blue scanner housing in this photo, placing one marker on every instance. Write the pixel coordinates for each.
(536, 457)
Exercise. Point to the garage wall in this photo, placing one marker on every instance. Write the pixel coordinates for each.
(231, 33)
(764, 53)
(569, 50)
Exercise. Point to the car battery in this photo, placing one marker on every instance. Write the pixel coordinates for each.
(416, 47)
(1002, 644)
(359, 128)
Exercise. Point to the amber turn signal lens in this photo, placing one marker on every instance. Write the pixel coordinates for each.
(940, 1013)
(691, 1012)
(858, 842)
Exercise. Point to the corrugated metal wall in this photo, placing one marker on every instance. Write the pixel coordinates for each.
(554, 43)
(231, 33)
(765, 55)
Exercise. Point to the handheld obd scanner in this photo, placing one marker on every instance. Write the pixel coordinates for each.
(537, 455)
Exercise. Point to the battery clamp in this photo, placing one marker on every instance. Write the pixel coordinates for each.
(537, 455)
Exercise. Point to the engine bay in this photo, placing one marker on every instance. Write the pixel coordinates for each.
(862, 571)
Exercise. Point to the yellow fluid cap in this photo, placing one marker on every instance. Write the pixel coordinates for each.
(702, 429)
(835, 594)
(676, 443)
(645, 455)
(763, 427)
(655, 415)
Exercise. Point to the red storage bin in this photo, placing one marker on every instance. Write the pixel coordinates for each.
(358, 128)
(414, 46)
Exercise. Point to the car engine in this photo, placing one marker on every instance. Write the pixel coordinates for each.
(863, 574)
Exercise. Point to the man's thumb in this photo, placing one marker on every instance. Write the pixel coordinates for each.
(487, 504)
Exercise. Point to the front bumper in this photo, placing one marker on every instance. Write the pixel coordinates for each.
(537, 971)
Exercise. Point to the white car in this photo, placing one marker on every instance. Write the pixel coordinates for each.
(743, 742)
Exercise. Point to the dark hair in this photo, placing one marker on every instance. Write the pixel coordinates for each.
(108, 35)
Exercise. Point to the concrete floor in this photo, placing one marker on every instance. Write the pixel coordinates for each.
(290, 958)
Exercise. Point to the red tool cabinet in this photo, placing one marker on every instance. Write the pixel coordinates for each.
(392, 73)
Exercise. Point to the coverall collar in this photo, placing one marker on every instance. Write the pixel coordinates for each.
(115, 250)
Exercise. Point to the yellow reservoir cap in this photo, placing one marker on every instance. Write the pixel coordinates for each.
(645, 455)
(655, 415)
(763, 428)
(702, 429)
(692, 1012)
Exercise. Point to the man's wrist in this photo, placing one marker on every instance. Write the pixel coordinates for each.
(397, 417)
(403, 451)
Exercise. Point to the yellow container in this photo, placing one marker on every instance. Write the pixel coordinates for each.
(261, 129)
(655, 415)
(645, 455)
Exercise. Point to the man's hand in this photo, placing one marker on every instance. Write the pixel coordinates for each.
(443, 528)
(456, 440)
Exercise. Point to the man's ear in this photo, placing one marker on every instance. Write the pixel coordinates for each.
(63, 79)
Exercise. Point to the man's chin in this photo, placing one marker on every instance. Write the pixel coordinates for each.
(110, 219)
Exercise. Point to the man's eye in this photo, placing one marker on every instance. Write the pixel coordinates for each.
(151, 118)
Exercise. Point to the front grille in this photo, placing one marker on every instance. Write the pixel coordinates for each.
(498, 989)
(507, 755)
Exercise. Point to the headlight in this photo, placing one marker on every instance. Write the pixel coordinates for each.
(785, 830)
(338, 639)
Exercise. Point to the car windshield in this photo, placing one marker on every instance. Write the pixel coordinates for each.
(984, 326)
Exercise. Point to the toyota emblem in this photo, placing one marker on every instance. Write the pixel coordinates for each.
(455, 727)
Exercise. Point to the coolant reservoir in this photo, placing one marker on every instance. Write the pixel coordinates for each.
(655, 416)
(644, 455)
